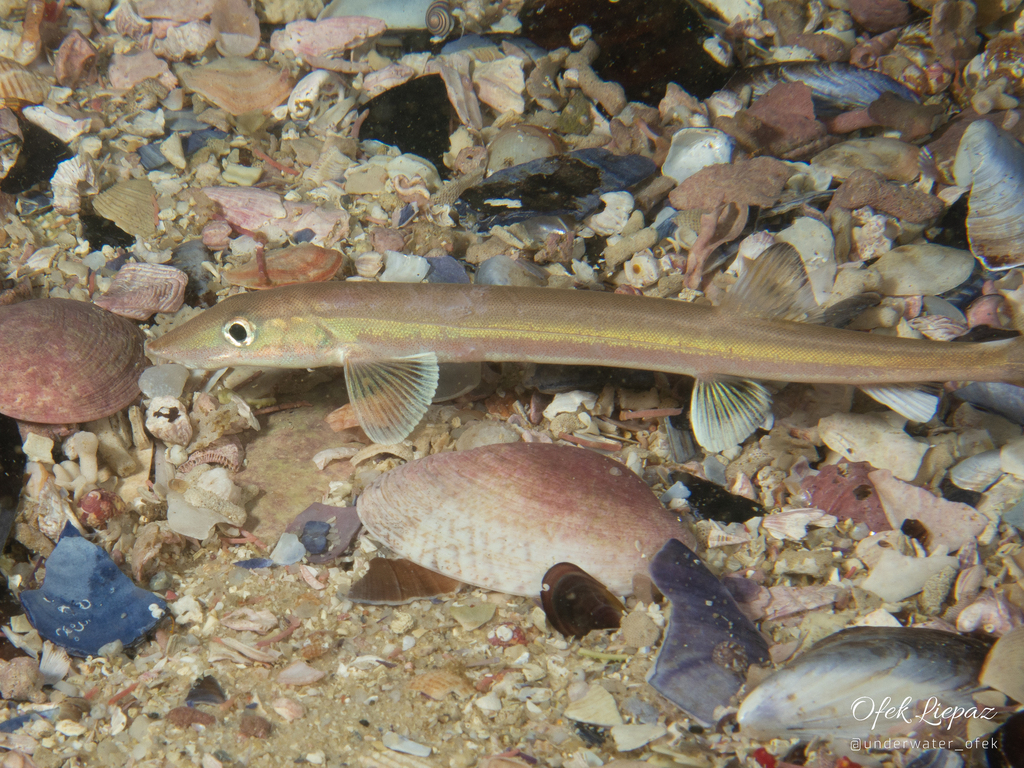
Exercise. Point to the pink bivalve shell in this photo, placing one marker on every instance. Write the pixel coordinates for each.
(500, 516)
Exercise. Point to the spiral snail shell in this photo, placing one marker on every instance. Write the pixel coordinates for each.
(439, 18)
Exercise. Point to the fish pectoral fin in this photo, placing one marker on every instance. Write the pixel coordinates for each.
(908, 400)
(390, 397)
(774, 286)
(725, 411)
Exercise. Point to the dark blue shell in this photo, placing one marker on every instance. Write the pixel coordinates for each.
(837, 87)
(86, 602)
(255, 562)
(708, 644)
(564, 185)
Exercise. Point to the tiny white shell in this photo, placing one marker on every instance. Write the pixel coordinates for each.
(978, 472)
(167, 419)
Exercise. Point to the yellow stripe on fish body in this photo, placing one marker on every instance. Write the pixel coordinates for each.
(391, 337)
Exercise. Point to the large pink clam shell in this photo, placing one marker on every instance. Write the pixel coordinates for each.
(64, 361)
(500, 516)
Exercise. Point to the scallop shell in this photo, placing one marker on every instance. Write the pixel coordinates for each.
(500, 516)
(991, 161)
(139, 291)
(239, 85)
(131, 205)
(18, 86)
(65, 361)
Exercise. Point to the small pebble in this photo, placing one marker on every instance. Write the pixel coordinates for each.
(163, 380)
(253, 725)
(160, 581)
(184, 717)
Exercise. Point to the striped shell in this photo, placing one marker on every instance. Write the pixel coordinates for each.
(139, 291)
(18, 86)
(439, 19)
(131, 205)
(65, 361)
(500, 516)
(239, 85)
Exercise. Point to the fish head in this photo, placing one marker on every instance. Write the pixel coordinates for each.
(267, 329)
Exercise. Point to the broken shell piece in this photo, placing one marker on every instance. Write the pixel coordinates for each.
(1004, 665)
(500, 84)
(991, 613)
(792, 524)
(72, 179)
(86, 602)
(239, 85)
(322, 44)
(167, 419)
(597, 707)
(709, 643)
(396, 582)
(612, 220)
(237, 27)
(318, 85)
(247, 208)
(18, 86)
(11, 140)
(947, 522)
(131, 205)
(139, 291)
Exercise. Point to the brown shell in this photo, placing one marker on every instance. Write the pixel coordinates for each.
(65, 361)
(239, 85)
(19, 87)
(131, 205)
(304, 263)
(500, 516)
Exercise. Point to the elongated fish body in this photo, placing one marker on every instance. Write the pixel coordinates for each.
(390, 338)
(320, 324)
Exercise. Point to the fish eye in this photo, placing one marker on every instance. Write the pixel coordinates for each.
(239, 332)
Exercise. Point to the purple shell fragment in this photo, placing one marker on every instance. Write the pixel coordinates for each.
(709, 643)
(344, 525)
(86, 602)
(255, 562)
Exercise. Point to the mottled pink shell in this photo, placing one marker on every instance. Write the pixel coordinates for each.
(499, 516)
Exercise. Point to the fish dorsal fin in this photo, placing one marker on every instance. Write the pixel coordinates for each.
(390, 397)
(774, 286)
(911, 401)
(725, 411)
